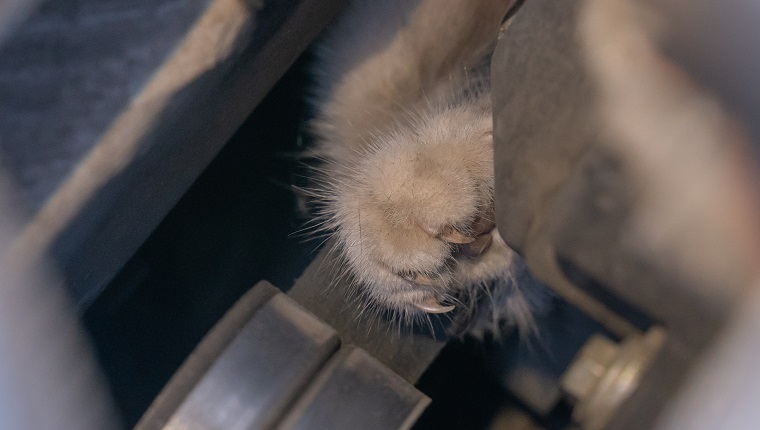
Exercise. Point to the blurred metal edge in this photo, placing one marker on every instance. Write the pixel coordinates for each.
(724, 383)
(272, 353)
(324, 384)
(203, 356)
(49, 378)
(13, 13)
(140, 167)
(354, 381)
(44, 357)
(550, 160)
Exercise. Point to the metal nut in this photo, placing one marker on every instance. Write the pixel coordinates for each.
(604, 374)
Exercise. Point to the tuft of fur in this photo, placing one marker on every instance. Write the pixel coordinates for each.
(404, 130)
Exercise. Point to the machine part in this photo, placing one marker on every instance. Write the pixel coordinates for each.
(513, 419)
(355, 391)
(260, 372)
(269, 363)
(406, 351)
(531, 369)
(49, 378)
(611, 159)
(593, 360)
(13, 13)
(604, 374)
(725, 387)
(136, 98)
(111, 109)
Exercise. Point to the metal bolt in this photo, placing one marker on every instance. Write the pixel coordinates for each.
(604, 374)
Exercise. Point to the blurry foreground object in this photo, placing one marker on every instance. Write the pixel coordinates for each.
(48, 377)
(626, 176)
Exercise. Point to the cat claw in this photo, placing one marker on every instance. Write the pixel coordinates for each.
(451, 235)
(418, 278)
(432, 306)
(475, 248)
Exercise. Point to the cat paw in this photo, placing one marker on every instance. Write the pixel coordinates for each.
(413, 214)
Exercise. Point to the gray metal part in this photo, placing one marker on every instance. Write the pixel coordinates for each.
(13, 13)
(49, 378)
(356, 391)
(203, 357)
(269, 363)
(540, 130)
(333, 298)
(566, 193)
(69, 71)
(725, 386)
(716, 43)
(114, 108)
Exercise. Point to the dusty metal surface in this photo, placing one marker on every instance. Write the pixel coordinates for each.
(68, 71)
(116, 107)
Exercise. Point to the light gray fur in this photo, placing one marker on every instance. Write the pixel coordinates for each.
(404, 134)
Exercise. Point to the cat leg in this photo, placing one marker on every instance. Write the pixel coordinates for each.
(384, 58)
(413, 215)
(407, 180)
